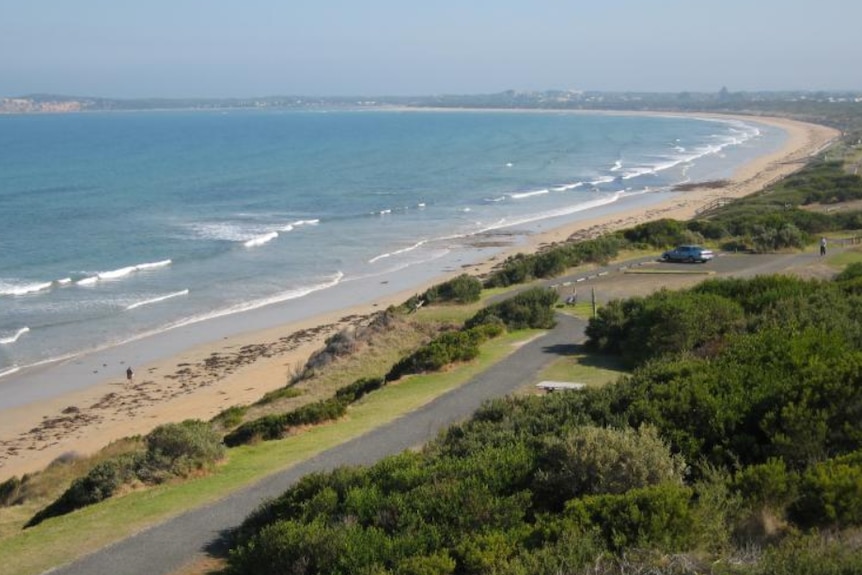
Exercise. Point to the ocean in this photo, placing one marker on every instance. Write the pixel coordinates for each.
(119, 227)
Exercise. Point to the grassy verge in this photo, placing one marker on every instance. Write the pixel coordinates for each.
(844, 258)
(62, 539)
(580, 367)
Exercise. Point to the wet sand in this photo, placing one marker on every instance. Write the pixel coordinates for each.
(199, 381)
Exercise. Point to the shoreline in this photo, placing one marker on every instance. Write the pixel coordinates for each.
(202, 380)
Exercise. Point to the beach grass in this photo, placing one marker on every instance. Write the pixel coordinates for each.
(60, 540)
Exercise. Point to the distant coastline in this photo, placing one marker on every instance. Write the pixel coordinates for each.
(722, 101)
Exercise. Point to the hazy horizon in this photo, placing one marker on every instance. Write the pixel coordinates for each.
(215, 49)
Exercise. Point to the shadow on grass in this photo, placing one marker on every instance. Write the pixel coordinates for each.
(601, 361)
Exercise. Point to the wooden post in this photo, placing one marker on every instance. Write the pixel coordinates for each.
(593, 290)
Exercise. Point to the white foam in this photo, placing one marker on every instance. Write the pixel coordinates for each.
(260, 240)
(602, 180)
(14, 338)
(617, 166)
(157, 299)
(123, 272)
(23, 288)
(522, 195)
(249, 306)
(398, 252)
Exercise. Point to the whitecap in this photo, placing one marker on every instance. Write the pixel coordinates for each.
(522, 195)
(23, 288)
(123, 272)
(260, 240)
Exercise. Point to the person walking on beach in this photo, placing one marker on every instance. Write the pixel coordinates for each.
(129, 374)
(822, 246)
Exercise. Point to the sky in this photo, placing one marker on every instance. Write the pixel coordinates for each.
(221, 48)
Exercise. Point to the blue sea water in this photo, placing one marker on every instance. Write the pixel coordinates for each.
(117, 226)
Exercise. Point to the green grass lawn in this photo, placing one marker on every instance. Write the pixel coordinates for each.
(62, 539)
(592, 369)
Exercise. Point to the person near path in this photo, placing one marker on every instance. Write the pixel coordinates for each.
(129, 374)
(822, 246)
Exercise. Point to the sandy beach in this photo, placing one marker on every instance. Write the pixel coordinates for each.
(202, 381)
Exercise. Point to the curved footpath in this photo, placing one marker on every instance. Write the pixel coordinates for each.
(167, 547)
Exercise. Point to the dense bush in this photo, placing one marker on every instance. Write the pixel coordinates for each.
(814, 554)
(656, 517)
(554, 260)
(462, 289)
(359, 388)
(532, 308)
(276, 426)
(831, 493)
(851, 272)
(594, 460)
(663, 323)
(657, 234)
(172, 450)
(178, 449)
(446, 349)
(99, 484)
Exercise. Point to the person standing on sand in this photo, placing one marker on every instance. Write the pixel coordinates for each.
(129, 374)
(822, 246)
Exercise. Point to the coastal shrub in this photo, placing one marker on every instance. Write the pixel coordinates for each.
(592, 460)
(230, 417)
(758, 293)
(766, 238)
(814, 554)
(830, 493)
(462, 289)
(516, 269)
(99, 484)
(443, 350)
(766, 485)
(286, 392)
(655, 517)
(657, 234)
(12, 490)
(532, 308)
(275, 426)
(358, 389)
(178, 449)
(554, 260)
(850, 272)
(666, 322)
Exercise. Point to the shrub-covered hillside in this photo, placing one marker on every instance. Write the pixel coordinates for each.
(733, 449)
